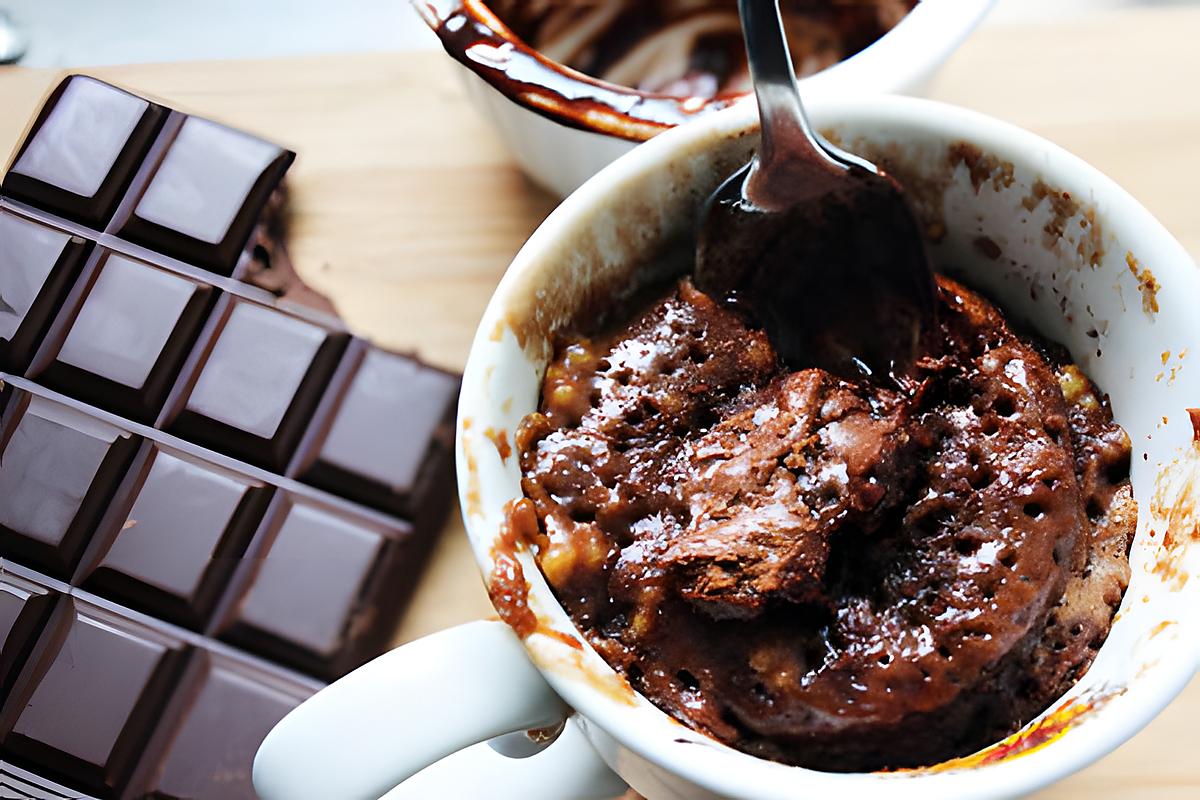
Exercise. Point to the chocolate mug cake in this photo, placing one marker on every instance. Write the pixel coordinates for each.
(846, 575)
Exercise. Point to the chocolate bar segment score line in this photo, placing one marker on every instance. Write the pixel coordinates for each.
(24, 608)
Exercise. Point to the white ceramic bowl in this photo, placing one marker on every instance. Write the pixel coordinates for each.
(1078, 258)
(560, 151)
(600, 237)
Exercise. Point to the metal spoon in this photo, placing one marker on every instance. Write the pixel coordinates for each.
(821, 246)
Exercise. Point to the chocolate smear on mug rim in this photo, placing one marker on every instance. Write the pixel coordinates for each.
(492, 47)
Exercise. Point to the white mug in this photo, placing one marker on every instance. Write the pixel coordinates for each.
(560, 157)
(1116, 289)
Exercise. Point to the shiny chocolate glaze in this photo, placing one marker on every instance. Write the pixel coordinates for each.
(837, 574)
(633, 69)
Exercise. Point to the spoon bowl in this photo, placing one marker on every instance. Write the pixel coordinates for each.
(816, 243)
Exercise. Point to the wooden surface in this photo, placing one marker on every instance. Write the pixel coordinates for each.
(407, 210)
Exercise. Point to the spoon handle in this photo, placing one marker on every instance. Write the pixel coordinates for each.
(786, 131)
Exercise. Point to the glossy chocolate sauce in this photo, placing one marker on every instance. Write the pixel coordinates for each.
(633, 69)
(828, 258)
(689, 48)
(833, 573)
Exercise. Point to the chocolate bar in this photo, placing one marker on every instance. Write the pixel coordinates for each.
(113, 703)
(212, 499)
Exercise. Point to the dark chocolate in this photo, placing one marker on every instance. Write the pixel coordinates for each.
(692, 66)
(328, 627)
(258, 384)
(137, 388)
(187, 528)
(233, 703)
(83, 712)
(206, 195)
(37, 266)
(24, 608)
(125, 345)
(270, 267)
(377, 447)
(84, 150)
(58, 470)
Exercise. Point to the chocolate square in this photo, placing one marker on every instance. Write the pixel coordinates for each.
(38, 264)
(84, 150)
(206, 195)
(259, 384)
(212, 750)
(85, 710)
(24, 608)
(124, 347)
(315, 591)
(379, 446)
(186, 530)
(58, 470)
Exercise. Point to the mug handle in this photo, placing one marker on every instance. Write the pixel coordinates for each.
(364, 734)
(568, 769)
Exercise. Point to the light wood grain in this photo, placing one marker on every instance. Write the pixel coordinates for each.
(1120, 90)
(407, 210)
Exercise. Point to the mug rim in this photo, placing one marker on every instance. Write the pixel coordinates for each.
(903, 56)
(1037, 768)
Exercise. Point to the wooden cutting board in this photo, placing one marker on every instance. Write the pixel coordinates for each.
(407, 210)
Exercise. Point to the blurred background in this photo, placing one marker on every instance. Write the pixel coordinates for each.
(60, 33)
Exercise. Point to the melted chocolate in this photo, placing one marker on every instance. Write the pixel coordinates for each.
(831, 573)
(501, 46)
(688, 49)
(829, 259)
